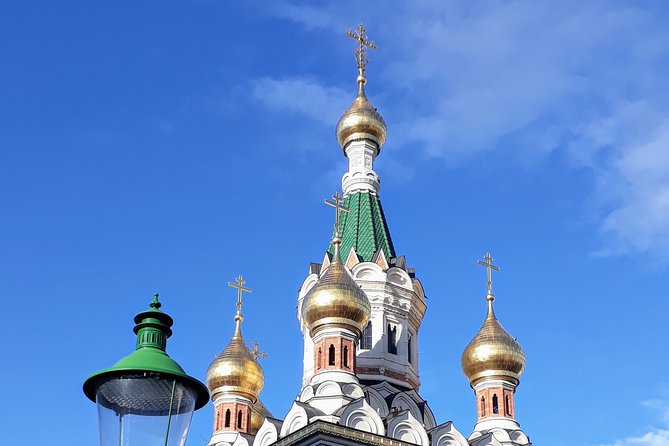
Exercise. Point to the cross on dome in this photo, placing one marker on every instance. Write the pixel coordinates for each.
(337, 203)
(490, 267)
(361, 56)
(255, 351)
(239, 285)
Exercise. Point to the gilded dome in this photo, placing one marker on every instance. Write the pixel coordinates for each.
(361, 121)
(258, 414)
(335, 299)
(235, 370)
(493, 352)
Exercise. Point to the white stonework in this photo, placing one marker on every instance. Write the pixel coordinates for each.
(499, 437)
(397, 300)
(295, 419)
(485, 440)
(360, 415)
(229, 438)
(447, 435)
(377, 401)
(406, 427)
(267, 434)
(361, 176)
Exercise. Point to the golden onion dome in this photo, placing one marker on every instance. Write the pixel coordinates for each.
(258, 414)
(336, 300)
(235, 370)
(493, 352)
(361, 121)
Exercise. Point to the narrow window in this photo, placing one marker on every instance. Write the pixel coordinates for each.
(320, 358)
(507, 406)
(346, 356)
(483, 406)
(392, 339)
(227, 418)
(239, 419)
(366, 338)
(409, 350)
(331, 355)
(495, 404)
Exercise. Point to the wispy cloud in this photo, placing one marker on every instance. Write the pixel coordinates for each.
(655, 436)
(309, 16)
(585, 78)
(659, 437)
(302, 95)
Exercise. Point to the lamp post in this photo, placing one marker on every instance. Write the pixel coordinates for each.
(146, 398)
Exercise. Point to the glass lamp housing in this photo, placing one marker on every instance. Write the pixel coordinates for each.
(146, 398)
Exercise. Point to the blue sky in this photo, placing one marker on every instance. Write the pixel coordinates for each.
(171, 145)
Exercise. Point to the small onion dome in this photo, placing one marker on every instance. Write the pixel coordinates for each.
(235, 370)
(258, 414)
(493, 352)
(361, 121)
(336, 300)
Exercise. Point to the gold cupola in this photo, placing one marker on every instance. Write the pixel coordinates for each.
(236, 370)
(493, 353)
(336, 300)
(361, 120)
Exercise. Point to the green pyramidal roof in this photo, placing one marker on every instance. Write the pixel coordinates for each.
(364, 228)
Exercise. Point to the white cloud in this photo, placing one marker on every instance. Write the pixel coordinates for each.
(302, 95)
(655, 436)
(308, 16)
(658, 437)
(528, 78)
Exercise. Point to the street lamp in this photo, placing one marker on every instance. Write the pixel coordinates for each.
(146, 399)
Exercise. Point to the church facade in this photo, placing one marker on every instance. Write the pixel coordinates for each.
(360, 312)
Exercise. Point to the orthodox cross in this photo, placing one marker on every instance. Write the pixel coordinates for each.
(256, 351)
(339, 207)
(240, 289)
(361, 53)
(490, 267)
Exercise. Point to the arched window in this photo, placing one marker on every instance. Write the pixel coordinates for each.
(320, 358)
(409, 350)
(227, 418)
(366, 338)
(392, 339)
(331, 355)
(507, 406)
(239, 419)
(495, 404)
(346, 356)
(483, 406)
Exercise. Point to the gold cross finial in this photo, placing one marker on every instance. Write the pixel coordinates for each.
(361, 56)
(339, 207)
(490, 267)
(256, 351)
(240, 289)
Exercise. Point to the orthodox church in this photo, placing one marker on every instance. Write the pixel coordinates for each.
(360, 312)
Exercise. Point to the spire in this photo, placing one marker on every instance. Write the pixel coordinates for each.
(361, 56)
(239, 285)
(235, 371)
(361, 121)
(336, 237)
(493, 353)
(335, 299)
(490, 297)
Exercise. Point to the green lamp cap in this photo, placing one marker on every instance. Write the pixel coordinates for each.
(152, 328)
